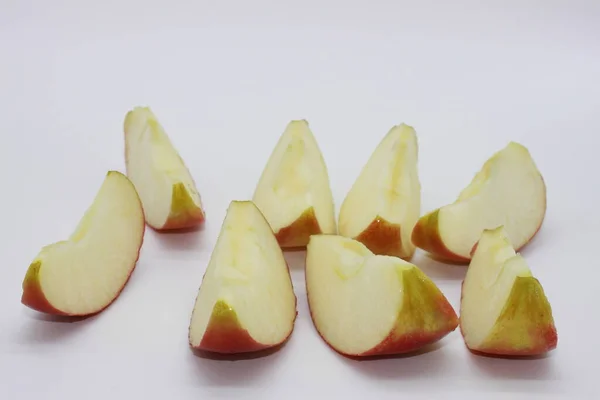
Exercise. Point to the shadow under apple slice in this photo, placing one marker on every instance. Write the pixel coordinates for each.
(426, 362)
(539, 367)
(179, 240)
(249, 369)
(439, 270)
(41, 328)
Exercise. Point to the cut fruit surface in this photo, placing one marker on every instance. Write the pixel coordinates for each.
(165, 185)
(508, 191)
(504, 310)
(366, 305)
(84, 274)
(384, 204)
(293, 191)
(246, 301)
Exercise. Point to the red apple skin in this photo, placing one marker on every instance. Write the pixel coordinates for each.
(298, 233)
(429, 307)
(520, 331)
(185, 214)
(225, 335)
(426, 236)
(402, 341)
(548, 341)
(33, 296)
(384, 238)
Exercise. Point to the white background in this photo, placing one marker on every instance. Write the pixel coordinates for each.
(224, 78)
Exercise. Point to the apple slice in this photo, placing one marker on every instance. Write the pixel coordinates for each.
(86, 273)
(246, 301)
(293, 192)
(384, 204)
(367, 305)
(165, 185)
(503, 309)
(509, 190)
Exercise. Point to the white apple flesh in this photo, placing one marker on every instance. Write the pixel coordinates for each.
(384, 204)
(84, 274)
(164, 183)
(369, 305)
(509, 191)
(293, 191)
(246, 301)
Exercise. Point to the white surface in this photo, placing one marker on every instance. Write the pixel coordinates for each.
(225, 78)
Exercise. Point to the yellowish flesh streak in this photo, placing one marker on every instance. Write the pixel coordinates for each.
(294, 180)
(154, 166)
(388, 187)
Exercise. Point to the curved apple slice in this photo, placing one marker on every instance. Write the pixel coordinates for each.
(85, 274)
(384, 204)
(503, 309)
(165, 185)
(509, 190)
(293, 192)
(365, 305)
(246, 301)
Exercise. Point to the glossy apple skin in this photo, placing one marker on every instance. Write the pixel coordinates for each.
(225, 335)
(426, 236)
(425, 318)
(298, 233)
(525, 326)
(185, 214)
(33, 296)
(384, 238)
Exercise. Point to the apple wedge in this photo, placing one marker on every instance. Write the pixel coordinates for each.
(293, 191)
(509, 191)
(384, 204)
(364, 304)
(246, 301)
(165, 185)
(86, 273)
(503, 309)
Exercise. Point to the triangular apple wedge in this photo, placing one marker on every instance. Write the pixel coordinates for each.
(368, 305)
(246, 301)
(384, 204)
(164, 183)
(85, 274)
(293, 191)
(509, 190)
(503, 309)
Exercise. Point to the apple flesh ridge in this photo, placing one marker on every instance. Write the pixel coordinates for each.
(384, 203)
(364, 304)
(246, 301)
(509, 191)
(504, 310)
(86, 273)
(164, 183)
(293, 191)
